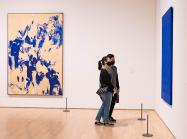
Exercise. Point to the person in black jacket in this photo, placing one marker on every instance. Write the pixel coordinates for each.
(115, 82)
(106, 97)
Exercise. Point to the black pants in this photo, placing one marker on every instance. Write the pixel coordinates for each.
(112, 105)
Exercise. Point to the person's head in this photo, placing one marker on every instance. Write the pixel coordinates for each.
(111, 59)
(103, 63)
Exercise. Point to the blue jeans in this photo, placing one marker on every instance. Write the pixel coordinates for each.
(105, 107)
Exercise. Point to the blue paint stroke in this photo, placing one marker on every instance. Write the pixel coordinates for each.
(31, 41)
(39, 77)
(56, 35)
(14, 50)
(54, 82)
(22, 33)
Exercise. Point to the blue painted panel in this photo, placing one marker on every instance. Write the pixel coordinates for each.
(167, 55)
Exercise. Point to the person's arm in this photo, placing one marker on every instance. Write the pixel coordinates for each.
(117, 82)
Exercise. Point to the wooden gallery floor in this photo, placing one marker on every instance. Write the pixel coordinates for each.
(28, 123)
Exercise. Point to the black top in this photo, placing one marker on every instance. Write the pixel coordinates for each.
(105, 80)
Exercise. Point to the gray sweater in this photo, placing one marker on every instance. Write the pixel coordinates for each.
(114, 80)
(114, 76)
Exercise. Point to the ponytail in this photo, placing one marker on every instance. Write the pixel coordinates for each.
(102, 62)
(99, 64)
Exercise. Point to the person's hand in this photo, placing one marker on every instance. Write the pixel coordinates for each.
(118, 91)
(115, 91)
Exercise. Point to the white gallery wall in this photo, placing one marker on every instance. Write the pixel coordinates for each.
(92, 29)
(174, 116)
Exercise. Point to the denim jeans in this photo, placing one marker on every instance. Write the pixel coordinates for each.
(105, 107)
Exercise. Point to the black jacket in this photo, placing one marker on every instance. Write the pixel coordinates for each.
(105, 80)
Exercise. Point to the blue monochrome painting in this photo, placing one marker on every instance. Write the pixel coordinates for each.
(167, 55)
(35, 51)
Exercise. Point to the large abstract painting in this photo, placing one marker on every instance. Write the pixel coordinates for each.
(167, 55)
(35, 54)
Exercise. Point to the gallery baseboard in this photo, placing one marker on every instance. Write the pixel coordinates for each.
(164, 122)
(72, 108)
